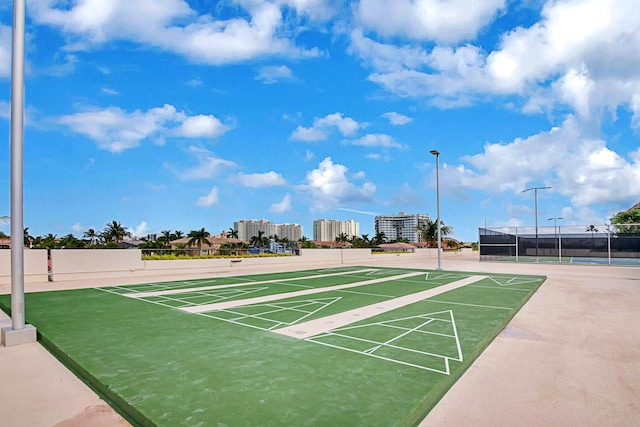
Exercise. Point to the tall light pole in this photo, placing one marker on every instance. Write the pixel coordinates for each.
(554, 224)
(535, 189)
(437, 154)
(555, 231)
(18, 333)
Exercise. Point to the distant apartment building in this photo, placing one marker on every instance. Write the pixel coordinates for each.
(292, 232)
(401, 226)
(248, 228)
(325, 230)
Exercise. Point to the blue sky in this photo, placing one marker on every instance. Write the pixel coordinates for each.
(173, 114)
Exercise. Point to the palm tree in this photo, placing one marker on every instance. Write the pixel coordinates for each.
(166, 237)
(92, 236)
(259, 241)
(232, 234)
(593, 229)
(4, 219)
(71, 242)
(198, 237)
(341, 239)
(379, 238)
(48, 241)
(115, 231)
(305, 243)
(178, 234)
(429, 231)
(27, 238)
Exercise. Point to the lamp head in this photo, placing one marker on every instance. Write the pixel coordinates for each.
(435, 152)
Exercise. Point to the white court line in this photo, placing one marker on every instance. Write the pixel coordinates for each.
(472, 305)
(259, 282)
(521, 280)
(502, 288)
(367, 293)
(259, 316)
(328, 323)
(446, 360)
(269, 298)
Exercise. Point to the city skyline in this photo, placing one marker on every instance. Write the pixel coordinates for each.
(186, 114)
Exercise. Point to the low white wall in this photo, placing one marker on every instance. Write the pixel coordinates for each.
(74, 264)
(201, 266)
(77, 264)
(83, 264)
(35, 266)
(335, 255)
(354, 255)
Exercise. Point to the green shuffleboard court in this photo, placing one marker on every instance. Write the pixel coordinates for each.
(355, 346)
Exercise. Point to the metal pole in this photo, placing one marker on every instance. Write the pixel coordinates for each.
(555, 233)
(560, 244)
(535, 190)
(437, 154)
(536, 204)
(609, 243)
(17, 141)
(18, 333)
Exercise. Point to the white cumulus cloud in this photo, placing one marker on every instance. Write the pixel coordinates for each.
(5, 51)
(329, 187)
(208, 165)
(443, 21)
(574, 164)
(258, 180)
(202, 126)
(274, 73)
(322, 128)
(580, 54)
(209, 200)
(173, 26)
(282, 206)
(397, 119)
(116, 130)
(141, 230)
(375, 140)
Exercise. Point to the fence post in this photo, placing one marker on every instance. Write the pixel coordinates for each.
(609, 243)
(516, 244)
(560, 244)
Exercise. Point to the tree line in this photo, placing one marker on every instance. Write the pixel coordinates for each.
(114, 233)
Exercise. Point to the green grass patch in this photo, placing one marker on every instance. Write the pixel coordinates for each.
(159, 365)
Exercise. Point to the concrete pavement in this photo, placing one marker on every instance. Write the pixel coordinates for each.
(571, 356)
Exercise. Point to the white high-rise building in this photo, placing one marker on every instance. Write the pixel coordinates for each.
(325, 230)
(292, 232)
(248, 228)
(401, 226)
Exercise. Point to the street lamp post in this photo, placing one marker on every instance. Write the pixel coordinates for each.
(19, 332)
(535, 190)
(437, 154)
(555, 232)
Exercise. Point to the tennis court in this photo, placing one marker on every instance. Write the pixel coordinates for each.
(357, 345)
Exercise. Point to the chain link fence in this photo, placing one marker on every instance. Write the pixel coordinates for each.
(609, 244)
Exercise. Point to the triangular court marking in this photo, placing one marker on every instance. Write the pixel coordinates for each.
(305, 307)
(380, 349)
